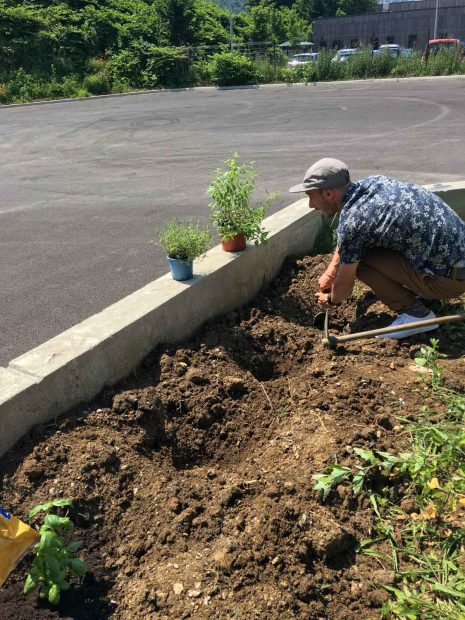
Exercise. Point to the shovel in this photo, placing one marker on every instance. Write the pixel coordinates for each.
(332, 341)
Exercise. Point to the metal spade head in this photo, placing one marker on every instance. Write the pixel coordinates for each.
(319, 320)
(328, 340)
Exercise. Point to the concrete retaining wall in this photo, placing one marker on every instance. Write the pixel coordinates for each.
(74, 367)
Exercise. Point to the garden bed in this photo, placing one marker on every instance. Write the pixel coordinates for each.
(192, 481)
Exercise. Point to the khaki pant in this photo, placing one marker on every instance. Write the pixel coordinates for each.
(395, 282)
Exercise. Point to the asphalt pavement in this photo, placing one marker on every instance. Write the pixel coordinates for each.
(86, 184)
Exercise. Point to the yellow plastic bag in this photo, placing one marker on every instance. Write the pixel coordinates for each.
(15, 539)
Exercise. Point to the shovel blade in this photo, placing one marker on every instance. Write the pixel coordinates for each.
(319, 320)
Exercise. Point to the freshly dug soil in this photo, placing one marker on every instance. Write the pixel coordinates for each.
(192, 481)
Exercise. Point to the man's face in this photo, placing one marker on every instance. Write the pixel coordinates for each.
(324, 200)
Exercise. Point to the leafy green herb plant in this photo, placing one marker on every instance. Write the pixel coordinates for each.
(54, 562)
(184, 241)
(231, 192)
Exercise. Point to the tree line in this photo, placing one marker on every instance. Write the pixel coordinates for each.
(112, 40)
(37, 33)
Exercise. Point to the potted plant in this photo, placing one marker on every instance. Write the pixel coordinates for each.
(183, 242)
(230, 193)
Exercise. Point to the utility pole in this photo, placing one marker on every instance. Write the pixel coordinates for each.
(234, 7)
(230, 27)
(436, 20)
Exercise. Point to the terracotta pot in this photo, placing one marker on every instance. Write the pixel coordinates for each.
(236, 244)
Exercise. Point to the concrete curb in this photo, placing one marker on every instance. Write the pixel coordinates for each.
(452, 193)
(75, 366)
(194, 89)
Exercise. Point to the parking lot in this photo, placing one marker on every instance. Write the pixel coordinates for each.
(86, 184)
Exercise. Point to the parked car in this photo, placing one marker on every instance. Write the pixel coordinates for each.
(302, 59)
(394, 49)
(436, 45)
(344, 54)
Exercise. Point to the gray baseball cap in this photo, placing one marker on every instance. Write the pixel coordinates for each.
(325, 173)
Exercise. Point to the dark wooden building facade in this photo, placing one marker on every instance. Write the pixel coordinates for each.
(410, 24)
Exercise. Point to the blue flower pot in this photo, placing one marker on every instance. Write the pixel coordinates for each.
(180, 269)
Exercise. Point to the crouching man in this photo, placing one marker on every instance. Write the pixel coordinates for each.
(398, 238)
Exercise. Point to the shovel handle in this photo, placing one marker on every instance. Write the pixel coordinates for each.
(400, 328)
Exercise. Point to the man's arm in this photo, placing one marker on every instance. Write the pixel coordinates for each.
(327, 279)
(342, 286)
(344, 282)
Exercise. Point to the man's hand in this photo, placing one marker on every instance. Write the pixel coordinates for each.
(326, 282)
(323, 299)
(343, 284)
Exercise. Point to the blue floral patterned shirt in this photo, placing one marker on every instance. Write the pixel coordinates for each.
(381, 212)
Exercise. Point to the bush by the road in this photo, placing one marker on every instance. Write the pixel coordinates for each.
(364, 65)
(145, 65)
(231, 69)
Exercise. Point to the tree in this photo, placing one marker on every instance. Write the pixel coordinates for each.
(25, 39)
(325, 8)
(305, 9)
(178, 16)
(354, 7)
(210, 24)
(278, 25)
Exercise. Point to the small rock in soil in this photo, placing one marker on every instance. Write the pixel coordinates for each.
(178, 587)
(330, 539)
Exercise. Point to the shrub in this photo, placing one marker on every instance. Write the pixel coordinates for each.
(446, 62)
(3, 94)
(412, 65)
(149, 66)
(231, 69)
(97, 84)
(166, 66)
(383, 64)
(276, 56)
(126, 67)
(22, 87)
(202, 72)
(358, 66)
(326, 70)
(362, 65)
(71, 87)
(120, 87)
(96, 65)
(309, 72)
(51, 89)
(184, 241)
(266, 72)
(291, 76)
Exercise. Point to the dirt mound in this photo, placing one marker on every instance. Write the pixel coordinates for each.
(192, 481)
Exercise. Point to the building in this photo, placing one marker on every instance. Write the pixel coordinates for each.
(410, 24)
